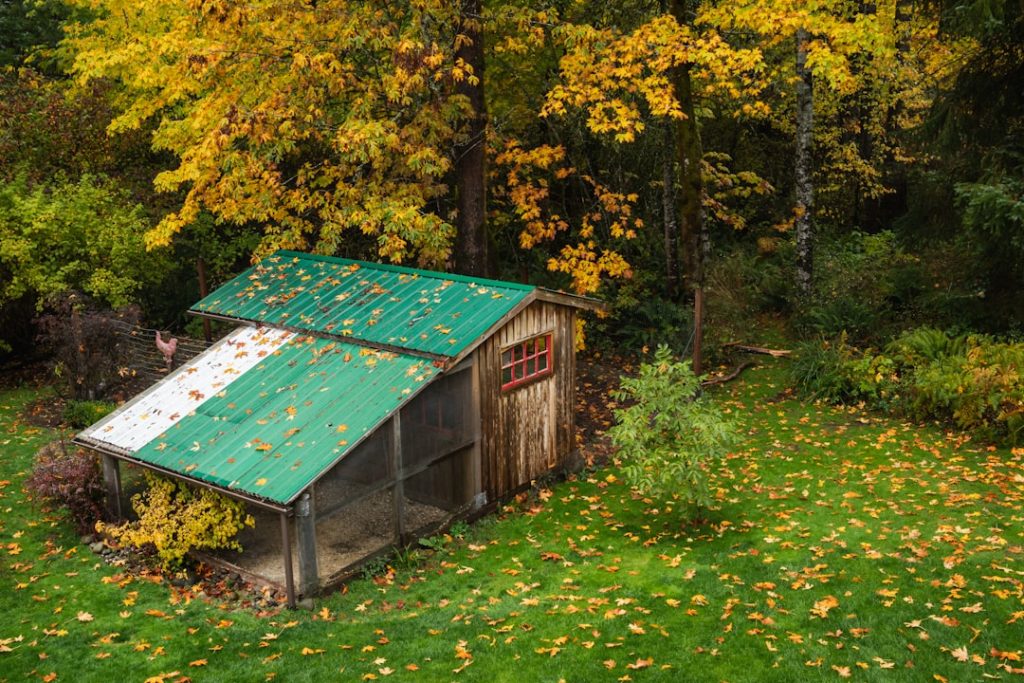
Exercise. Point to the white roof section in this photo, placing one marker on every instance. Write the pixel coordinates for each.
(167, 402)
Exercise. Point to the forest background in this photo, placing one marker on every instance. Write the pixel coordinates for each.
(855, 169)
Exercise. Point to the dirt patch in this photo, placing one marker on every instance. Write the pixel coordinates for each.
(33, 372)
(597, 375)
(343, 539)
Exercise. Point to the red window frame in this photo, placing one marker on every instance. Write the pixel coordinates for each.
(526, 361)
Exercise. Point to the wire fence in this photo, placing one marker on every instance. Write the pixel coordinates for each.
(143, 363)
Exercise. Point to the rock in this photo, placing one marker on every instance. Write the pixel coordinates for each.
(97, 546)
(88, 540)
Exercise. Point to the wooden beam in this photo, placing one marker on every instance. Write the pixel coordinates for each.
(398, 492)
(305, 535)
(112, 479)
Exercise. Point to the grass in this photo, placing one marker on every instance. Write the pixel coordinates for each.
(845, 545)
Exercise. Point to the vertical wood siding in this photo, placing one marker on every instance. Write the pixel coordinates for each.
(527, 430)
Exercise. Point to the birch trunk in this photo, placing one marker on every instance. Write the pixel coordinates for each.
(802, 170)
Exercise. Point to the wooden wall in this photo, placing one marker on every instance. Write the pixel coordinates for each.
(527, 430)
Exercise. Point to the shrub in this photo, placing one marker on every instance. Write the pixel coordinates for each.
(81, 414)
(667, 436)
(174, 518)
(820, 368)
(70, 479)
(863, 282)
(971, 381)
(89, 351)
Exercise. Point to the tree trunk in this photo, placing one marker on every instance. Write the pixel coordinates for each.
(690, 209)
(472, 253)
(688, 159)
(802, 170)
(869, 205)
(903, 17)
(668, 205)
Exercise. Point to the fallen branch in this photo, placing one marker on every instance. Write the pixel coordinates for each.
(775, 353)
(727, 378)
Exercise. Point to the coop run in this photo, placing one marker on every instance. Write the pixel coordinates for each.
(356, 407)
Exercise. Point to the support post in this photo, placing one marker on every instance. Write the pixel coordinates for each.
(398, 492)
(112, 480)
(286, 551)
(305, 532)
(203, 291)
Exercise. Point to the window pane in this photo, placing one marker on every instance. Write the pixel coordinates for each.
(506, 357)
(518, 371)
(506, 375)
(542, 343)
(517, 352)
(531, 367)
(542, 363)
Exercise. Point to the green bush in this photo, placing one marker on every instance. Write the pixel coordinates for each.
(864, 284)
(971, 381)
(667, 435)
(639, 317)
(821, 369)
(81, 414)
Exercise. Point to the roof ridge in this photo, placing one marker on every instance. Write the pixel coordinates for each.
(394, 268)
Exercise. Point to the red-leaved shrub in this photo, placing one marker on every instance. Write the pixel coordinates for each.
(69, 478)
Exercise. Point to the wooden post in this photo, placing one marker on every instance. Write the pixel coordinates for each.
(396, 471)
(286, 550)
(698, 331)
(203, 291)
(305, 532)
(112, 479)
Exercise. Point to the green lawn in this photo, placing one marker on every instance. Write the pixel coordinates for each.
(846, 545)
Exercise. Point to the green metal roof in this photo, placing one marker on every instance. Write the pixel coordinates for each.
(416, 310)
(272, 427)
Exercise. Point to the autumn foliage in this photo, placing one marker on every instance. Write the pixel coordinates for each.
(175, 519)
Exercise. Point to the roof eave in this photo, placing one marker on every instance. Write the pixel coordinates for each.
(122, 454)
(575, 300)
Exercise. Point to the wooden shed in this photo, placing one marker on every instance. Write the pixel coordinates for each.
(357, 406)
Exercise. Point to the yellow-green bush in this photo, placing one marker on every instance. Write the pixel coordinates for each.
(971, 381)
(175, 518)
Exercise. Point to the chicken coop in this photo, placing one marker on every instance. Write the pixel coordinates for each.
(355, 407)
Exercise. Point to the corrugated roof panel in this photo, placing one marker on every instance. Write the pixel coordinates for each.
(287, 419)
(158, 408)
(419, 310)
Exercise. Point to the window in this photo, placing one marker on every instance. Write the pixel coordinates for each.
(526, 361)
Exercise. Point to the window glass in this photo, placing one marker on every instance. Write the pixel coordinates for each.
(526, 360)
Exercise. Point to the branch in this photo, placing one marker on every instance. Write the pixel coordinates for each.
(774, 353)
(727, 378)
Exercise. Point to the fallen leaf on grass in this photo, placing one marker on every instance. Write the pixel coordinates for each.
(821, 607)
